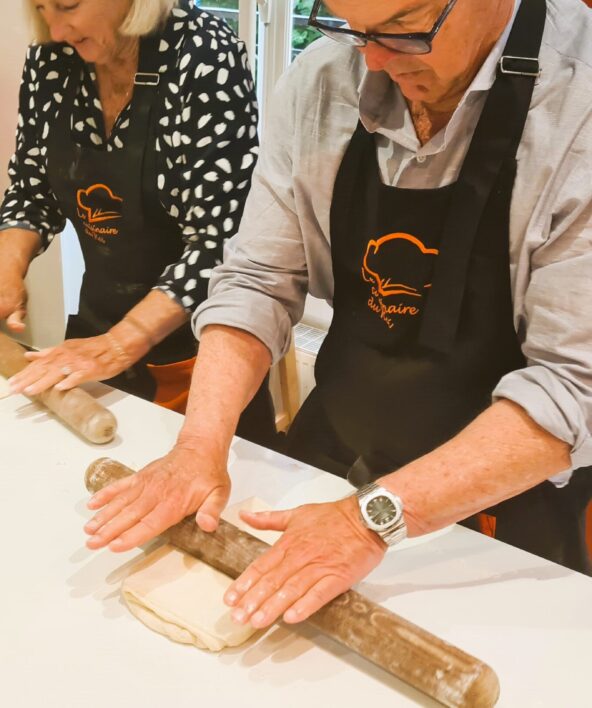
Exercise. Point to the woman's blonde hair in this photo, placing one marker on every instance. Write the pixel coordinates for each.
(144, 17)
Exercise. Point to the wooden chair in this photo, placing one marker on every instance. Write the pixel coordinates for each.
(285, 390)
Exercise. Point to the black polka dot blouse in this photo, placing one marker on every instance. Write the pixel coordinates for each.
(206, 142)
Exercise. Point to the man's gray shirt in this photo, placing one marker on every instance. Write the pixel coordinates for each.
(282, 249)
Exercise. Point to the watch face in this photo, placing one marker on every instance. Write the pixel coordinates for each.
(381, 510)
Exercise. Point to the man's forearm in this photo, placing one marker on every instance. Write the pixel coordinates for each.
(502, 453)
(231, 366)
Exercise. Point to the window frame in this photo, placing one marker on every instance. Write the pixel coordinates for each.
(271, 21)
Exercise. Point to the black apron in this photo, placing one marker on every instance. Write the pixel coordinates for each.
(423, 330)
(126, 236)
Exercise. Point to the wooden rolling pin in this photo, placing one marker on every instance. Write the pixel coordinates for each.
(404, 650)
(76, 408)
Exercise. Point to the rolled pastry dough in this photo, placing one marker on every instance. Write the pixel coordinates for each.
(4, 388)
(179, 596)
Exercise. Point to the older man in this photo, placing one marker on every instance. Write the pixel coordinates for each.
(429, 173)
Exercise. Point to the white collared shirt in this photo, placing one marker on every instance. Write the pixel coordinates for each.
(282, 249)
(404, 162)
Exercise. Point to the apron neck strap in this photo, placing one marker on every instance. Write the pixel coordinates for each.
(495, 142)
(148, 74)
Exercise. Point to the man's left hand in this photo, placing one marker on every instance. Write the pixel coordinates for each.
(324, 550)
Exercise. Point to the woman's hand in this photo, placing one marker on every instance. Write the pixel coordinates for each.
(325, 549)
(138, 508)
(74, 362)
(13, 301)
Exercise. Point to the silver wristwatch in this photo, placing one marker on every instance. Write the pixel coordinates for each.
(382, 512)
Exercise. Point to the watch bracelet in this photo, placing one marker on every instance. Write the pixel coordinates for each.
(392, 536)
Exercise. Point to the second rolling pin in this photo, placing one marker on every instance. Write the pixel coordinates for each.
(76, 408)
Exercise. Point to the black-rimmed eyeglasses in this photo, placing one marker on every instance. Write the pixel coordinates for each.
(415, 43)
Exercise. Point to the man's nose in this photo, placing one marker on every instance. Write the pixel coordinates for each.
(377, 56)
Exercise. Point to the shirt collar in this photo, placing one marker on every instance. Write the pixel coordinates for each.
(486, 75)
(384, 110)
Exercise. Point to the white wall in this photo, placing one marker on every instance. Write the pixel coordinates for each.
(46, 302)
(14, 42)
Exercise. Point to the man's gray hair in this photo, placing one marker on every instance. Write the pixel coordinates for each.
(144, 17)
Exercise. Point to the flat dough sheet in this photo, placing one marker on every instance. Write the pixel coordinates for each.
(179, 596)
(4, 388)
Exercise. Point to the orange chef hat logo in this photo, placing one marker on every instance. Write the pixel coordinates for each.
(397, 265)
(98, 203)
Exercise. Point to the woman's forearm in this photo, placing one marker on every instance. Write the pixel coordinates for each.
(148, 323)
(502, 453)
(18, 247)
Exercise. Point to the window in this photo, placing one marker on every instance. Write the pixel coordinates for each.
(302, 35)
(274, 31)
(228, 9)
(266, 28)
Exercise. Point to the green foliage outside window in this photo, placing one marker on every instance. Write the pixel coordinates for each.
(303, 35)
(213, 5)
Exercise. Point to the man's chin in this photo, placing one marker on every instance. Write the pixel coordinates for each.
(413, 90)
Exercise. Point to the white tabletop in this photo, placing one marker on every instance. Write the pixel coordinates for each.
(67, 640)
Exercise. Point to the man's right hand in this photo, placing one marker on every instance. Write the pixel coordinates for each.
(13, 301)
(190, 479)
(193, 477)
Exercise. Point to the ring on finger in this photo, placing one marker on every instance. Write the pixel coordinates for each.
(66, 370)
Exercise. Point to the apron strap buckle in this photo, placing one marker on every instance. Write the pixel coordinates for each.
(143, 78)
(520, 66)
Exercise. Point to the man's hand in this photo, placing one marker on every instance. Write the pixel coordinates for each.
(74, 362)
(325, 549)
(138, 508)
(13, 301)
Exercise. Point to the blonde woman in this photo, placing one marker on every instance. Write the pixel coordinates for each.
(138, 123)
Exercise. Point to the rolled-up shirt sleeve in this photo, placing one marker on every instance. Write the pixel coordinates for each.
(262, 284)
(29, 202)
(556, 386)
